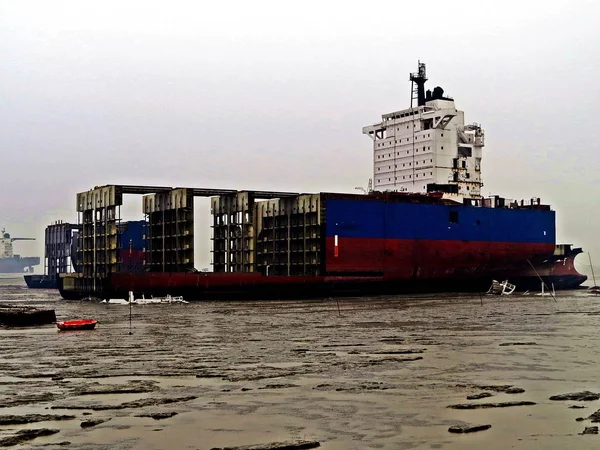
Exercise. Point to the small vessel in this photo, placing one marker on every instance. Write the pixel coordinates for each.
(167, 299)
(144, 301)
(116, 301)
(84, 324)
(154, 300)
(501, 288)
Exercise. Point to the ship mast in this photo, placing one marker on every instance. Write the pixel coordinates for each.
(418, 80)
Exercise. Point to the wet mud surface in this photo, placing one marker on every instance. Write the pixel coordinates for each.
(383, 374)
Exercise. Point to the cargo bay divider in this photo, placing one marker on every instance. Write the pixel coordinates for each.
(170, 233)
(279, 236)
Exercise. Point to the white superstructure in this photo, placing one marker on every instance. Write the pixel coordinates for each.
(428, 144)
(6, 247)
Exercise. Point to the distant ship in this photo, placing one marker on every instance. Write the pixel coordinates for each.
(11, 263)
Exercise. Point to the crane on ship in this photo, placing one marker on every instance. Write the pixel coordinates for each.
(5, 235)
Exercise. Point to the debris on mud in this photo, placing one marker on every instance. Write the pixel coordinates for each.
(595, 418)
(347, 387)
(468, 428)
(158, 416)
(279, 386)
(504, 388)
(287, 445)
(262, 374)
(25, 399)
(134, 387)
(506, 344)
(26, 435)
(25, 316)
(584, 396)
(393, 340)
(135, 404)
(208, 373)
(579, 419)
(480, 395)
(576, 407)
(513, 390)
(590, 430)
(408, 351)
(342, 345)
(31, 418)
(490, 405)
(347, 365)
(92, 423)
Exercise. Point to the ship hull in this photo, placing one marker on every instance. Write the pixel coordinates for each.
(40, 282)
(379, 244)
(254, 286)
(18, 265)
(242, 287)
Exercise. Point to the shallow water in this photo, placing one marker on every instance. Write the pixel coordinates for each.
(379, 373)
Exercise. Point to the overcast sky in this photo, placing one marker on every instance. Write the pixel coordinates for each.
(273, 95)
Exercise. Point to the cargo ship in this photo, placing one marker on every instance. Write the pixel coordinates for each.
(422, 226)
(10, 262)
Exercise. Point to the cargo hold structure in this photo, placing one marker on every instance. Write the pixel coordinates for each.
(60, 255)
(423, 227)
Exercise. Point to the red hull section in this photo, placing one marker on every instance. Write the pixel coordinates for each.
(428, 259)
(86, 324)
(371, 267)
(558, 271)
(360, 266)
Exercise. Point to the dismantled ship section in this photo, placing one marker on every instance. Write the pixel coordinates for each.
(60, 255)
(280, 236)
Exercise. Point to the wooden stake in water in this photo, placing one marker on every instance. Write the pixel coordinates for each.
(542, 281)
(592, 267)
(130, 304)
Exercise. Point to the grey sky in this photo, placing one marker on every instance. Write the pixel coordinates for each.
(273, 95)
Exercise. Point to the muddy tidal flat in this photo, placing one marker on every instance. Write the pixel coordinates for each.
(432, 371)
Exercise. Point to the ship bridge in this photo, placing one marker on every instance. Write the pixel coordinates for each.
(427, 146)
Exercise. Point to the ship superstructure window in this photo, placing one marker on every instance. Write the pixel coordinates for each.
(453, 217)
